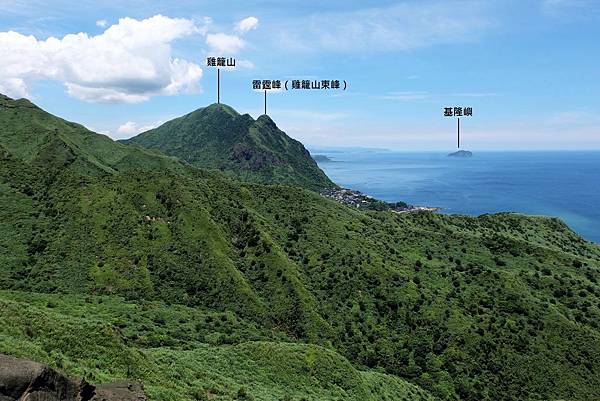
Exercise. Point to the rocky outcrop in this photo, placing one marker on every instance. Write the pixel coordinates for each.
(24, 380)
(253, 159)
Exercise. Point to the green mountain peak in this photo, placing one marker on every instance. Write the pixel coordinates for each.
(218, 137)
(219, 107)
(265, 118)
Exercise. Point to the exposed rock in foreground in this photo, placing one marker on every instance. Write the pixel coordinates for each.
(21, 379)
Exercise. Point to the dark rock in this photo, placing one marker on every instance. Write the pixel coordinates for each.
(21, 379)
(252, 159)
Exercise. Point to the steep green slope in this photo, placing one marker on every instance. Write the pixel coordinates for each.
(217, 137)
(500, 307)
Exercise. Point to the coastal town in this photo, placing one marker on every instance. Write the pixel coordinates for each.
(358, 199)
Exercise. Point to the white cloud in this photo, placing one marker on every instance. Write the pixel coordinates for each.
(223, 44)
(102, 23)
(131, 128)
(14, 87)
(129, 62)
(247, 24)
(128, 129)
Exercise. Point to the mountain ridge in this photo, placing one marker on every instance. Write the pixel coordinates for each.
(218, 137)
(39, 137)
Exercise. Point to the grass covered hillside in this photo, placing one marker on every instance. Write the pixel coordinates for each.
(217, 137)
(207, 288)
(182, 353)
(39, 139)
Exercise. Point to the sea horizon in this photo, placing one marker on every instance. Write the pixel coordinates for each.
(538, 182)
(317, 149)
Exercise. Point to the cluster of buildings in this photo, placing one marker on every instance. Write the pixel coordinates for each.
(357, 199)
(349, 197)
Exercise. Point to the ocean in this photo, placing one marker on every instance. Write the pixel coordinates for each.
(561, 184)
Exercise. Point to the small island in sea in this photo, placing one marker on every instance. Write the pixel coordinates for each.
(461, 153)
(321, 158)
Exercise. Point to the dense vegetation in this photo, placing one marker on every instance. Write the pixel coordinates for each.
(204, 286)
(217, 137)
(181, 352)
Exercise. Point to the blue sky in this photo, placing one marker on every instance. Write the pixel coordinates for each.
(529, 69)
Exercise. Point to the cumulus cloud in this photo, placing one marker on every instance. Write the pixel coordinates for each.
(14, 87)
(247, 24)
(128, 129)
(224, 44)
(129, 62)
(131, 128)
(102, 23)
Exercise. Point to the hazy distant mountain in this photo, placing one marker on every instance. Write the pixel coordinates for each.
(218, 137)
(321, 158)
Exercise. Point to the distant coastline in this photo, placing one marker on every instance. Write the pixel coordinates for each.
(321, 159)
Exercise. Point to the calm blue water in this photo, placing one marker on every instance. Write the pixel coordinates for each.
(562, 184)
